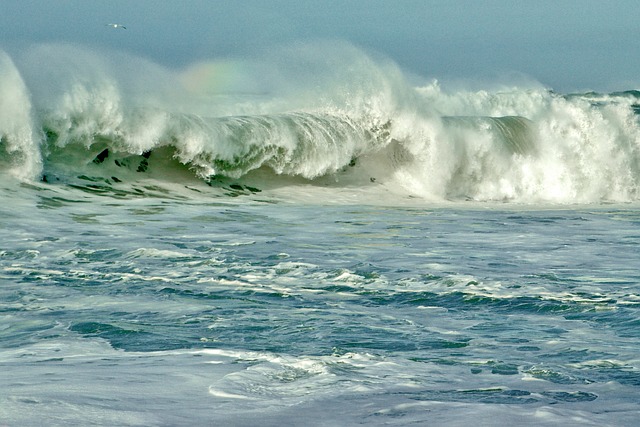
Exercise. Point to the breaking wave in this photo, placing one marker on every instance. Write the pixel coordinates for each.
(318, 113)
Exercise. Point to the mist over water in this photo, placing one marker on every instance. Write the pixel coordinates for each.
(317, 110)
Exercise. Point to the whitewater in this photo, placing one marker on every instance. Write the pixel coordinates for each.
(312, 237)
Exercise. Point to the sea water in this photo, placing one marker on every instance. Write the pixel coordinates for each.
(319, 244)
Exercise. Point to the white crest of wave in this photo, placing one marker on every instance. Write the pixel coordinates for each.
(17, 136)
(322, 110)
(85, 96)
(310, 111)
(580, 150)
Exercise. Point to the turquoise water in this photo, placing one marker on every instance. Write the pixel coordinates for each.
(156, 311)
(339, 246)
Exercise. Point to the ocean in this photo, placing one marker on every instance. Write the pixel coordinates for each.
(315, 238)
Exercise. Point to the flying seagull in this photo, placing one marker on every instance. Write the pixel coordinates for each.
(116, 26)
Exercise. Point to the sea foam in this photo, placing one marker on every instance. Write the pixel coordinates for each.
(325, 113)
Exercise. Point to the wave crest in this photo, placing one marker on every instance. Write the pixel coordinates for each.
(362, 124)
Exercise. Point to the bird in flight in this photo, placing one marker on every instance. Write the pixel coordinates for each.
(116, 26)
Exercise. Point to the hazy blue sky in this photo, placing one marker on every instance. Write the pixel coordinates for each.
(567, 45)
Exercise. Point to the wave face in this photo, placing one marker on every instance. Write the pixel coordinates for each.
(323, 113)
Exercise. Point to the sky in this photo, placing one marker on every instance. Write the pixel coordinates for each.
(566, 45)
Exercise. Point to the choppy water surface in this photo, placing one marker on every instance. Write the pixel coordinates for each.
(156, 311)
(327, 241)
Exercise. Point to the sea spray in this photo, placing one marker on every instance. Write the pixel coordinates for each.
(19, 143)
(327, 113)
(586, 147)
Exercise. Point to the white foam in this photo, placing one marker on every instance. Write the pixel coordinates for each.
(349, 124)
(155, 253)
(17, 133)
